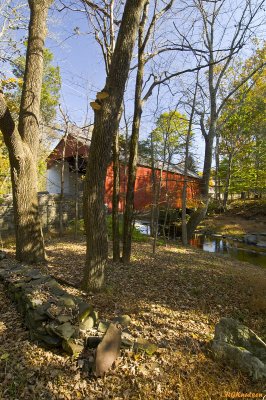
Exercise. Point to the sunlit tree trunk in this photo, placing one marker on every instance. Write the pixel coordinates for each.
(23, 141)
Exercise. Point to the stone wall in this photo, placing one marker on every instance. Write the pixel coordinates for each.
(58, 318)
(49, 207)
(52, 315)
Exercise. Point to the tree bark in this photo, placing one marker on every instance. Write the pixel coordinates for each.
(184, 190)
(227, 180)
(23, 141)
(133, 149)
(209, 136)
(115, 205)
(106, 121)
(62, 185)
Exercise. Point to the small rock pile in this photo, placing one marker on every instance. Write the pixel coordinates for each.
(58, 319)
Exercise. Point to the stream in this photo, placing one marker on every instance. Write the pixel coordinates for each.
(228, 247)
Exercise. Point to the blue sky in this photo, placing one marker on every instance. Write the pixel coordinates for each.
(83, 74)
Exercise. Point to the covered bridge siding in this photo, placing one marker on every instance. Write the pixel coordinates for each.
(171, 188)
(171, 184)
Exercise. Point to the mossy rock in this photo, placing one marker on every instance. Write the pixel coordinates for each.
(87, 324)
(103, 326)
(65, 331)
(84, 310)
(72, 348)
(67, 301)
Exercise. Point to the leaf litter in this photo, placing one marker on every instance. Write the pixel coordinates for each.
(173, 299)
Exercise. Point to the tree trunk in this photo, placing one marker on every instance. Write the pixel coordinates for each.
(227, 180)
(76, 191)
(154, 185)
(184, 190)
(201, 212)
(106, 121)
(132, 170)
(157, 210)
(23, 142)
(209, 136)
(133, 149)
(115, 205)
(62, 185)
(217, 169)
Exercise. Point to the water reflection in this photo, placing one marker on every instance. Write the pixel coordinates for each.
(232, 249)
(211, 244)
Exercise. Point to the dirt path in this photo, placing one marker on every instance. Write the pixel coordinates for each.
(174, 300)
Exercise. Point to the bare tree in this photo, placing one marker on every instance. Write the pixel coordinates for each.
(106, 123)
(143, 40)
(103, 19)
(22, 141)
(12, 19)
(187, 145)
(225, 31)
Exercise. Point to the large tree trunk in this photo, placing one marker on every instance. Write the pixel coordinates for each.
(106, 123)
(23, 142)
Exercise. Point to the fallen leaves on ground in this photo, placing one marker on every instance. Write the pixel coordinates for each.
(174, 300)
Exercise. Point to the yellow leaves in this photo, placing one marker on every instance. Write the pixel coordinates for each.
(11, 83)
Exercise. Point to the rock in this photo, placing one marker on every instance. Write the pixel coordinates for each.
(123, 320)
(144, 345)
(48, 339)
(240, 358)
(108, 350)
(55, 287)
(231, 331)
(237, 345)
(250, 238)
(72, 348)
(103, 326)
(2, 255)
(36, 302)
(53, 311)
(84, 310)
(65, 331)
(87, 324)
(93, 341)
(63, 318)
(67, 301)
(127, 340)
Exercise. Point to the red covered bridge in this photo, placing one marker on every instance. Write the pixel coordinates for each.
(76, 153)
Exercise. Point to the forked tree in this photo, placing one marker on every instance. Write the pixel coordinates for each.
(22, 141)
